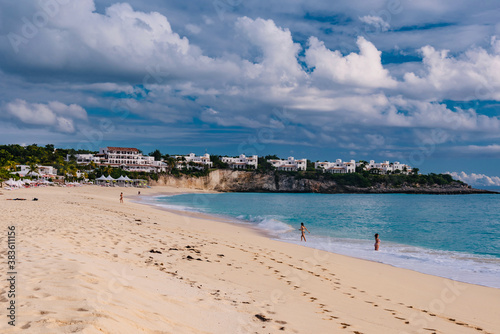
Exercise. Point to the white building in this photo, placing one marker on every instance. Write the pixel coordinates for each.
(289, 165)
(242, 162)
(187, 161)
(386, 166)
(130, 159)
(43, 172)
(338, 166)
(79, 174)
(403, 168)
(85, 159)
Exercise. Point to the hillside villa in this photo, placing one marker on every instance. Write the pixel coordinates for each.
(337, 167)
(241, 162)
(386, 166)
(191, 160)
(289, 165)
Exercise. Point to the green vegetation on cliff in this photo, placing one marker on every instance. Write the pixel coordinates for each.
(366, 179)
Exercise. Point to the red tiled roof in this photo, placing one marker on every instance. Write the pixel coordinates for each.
(131, 149)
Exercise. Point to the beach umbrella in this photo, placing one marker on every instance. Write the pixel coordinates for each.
(10, 182)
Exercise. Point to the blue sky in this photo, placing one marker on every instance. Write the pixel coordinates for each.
(409, 81)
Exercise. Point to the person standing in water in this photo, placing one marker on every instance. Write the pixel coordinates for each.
(377, 242)
(303, 229)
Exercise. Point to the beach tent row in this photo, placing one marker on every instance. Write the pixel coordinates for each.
(109, 178)
(122, 180)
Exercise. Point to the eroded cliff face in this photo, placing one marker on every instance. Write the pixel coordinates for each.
(243, 181)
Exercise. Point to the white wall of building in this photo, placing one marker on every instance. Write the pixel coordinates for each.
(241, 162)
(290, 164)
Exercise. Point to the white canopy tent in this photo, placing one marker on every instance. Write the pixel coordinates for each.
(102, 180)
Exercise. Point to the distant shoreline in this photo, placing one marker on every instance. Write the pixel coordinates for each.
(249, 181)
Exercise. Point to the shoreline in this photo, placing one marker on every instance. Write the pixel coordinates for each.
(312, 245)
(90, 264)
(224, 180)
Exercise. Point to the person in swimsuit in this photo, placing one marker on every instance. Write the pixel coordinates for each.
(377, 242)
(303, 229)
(121, 197)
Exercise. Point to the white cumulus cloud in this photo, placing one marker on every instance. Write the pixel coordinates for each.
(362, 69)
(476, 179)
(375, 21)
(472, 75)
(56, 115)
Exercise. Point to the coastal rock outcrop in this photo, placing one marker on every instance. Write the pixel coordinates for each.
(247, 181)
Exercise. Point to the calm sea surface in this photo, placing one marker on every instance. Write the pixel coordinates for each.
(455, 236)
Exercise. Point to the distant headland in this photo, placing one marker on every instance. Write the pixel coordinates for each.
(221, 173)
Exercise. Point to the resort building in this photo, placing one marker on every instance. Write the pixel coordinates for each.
(289, 165)
(84, 159)
(130, 159)
(337, 167)
(386, 167)
(127, 158)
(43, 172)
(193, 161)
(241, 162)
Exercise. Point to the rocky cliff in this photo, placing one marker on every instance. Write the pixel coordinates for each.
(244, 181)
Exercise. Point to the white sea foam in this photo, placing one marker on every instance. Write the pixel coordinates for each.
(271, 225)
(156, 201)
(469, 268)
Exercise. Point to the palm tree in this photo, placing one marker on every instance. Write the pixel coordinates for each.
(73, 171)
(171, 162)
(11, 165)
(92, 165)
(33, 167)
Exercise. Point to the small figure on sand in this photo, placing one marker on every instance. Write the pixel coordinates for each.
(303, 229)
(139, 192)
(121, 197)
(377, 242)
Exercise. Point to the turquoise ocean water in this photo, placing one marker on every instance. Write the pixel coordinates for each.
(455, 236)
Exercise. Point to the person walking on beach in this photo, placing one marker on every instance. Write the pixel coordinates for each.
(121, 197)
(377, 242)
(303, 229)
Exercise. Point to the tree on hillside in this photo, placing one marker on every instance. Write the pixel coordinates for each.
(362, 166)
(310, 166)
(33, 168)
(217, 162)
(11, 165)
(171, 162)
(4, 175)
(156, 154)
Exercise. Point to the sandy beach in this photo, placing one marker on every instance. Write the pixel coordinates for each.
(85, 263)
